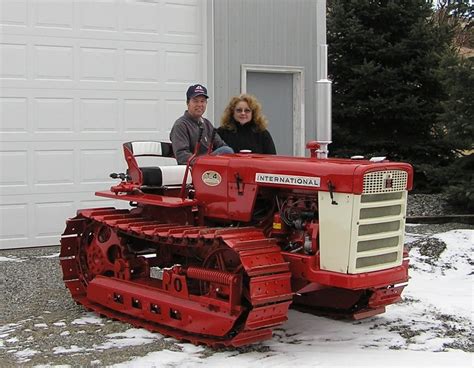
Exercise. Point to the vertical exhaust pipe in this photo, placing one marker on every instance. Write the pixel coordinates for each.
(323, 105)
(323, 89)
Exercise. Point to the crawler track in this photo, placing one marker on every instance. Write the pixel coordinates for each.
(231, 288)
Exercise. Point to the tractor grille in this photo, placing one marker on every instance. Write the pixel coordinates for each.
(385, 181)
(364, 232)
(380, 222)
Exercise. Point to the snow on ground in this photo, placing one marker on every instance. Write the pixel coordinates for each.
(54, 255)
(431, 327)
(131, 337)
(89, 318)
(11, 259)
(438, 299)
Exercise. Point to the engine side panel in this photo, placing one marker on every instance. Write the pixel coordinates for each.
(335, 230)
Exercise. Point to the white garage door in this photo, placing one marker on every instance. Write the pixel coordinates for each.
(78, 78)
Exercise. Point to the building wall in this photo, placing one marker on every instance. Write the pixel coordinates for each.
(267, 32)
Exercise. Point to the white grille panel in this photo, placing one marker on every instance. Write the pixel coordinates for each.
(385, 181)
(378, 231)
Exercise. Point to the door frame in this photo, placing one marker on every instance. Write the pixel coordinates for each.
(298, 98)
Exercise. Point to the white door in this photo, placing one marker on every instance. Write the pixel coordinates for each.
(79, 78)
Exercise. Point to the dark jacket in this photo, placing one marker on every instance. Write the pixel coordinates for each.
(247, 137)
(184, 136)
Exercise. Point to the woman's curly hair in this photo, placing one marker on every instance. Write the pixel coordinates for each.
(227, 119)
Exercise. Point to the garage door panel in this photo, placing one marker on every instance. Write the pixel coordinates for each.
(142, 18)
(13, 58)
(54, 166)
(99, 115)
(14, 13)
(97, 164)
(53, 114)
(62, 167)
(173, 109)
(140, 115)
(43, 115)
(65, 63)
(53, 61)
(101, 202)
(99, 64)
(182, 18)
(53, 14)
(49, 219)
(13, 114)
(136, 20)
(14, 170)
(79, 78)
(141, 65)
(160, 133)
(14, 222)
(16, 164)
(36, 220)
(98, 15)
(181, 67)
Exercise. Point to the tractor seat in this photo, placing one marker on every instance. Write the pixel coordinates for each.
(152, 164)
(164, 176)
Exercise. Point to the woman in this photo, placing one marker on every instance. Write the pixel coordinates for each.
(243, 127)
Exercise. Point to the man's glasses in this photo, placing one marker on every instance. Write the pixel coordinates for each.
(239, 111)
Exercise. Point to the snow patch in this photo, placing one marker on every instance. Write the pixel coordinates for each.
(11, 259)
(71, 349)
(131, 337)
(24, 355)
(89, 318)
(55, 255)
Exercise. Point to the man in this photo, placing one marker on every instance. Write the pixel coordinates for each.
(185, 132)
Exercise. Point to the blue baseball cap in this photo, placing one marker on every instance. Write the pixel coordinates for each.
(196, 90)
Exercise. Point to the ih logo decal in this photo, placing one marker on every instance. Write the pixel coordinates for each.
(388, 181)
(211, 178)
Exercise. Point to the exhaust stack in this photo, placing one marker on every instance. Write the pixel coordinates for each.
(323, 106)
(323, 90)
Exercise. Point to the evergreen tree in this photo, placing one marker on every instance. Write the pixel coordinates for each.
(384, 58)
(457, 74)
(457, 114)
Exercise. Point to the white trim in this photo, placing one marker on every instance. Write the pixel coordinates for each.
(298, 98)
(146, 148)
(208, 56)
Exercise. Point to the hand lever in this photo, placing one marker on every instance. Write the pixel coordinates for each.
(211, 143)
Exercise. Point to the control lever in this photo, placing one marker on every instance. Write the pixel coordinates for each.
(182, 192)
(121, 176)
(211, 143)
(331, 188)
(198, 144)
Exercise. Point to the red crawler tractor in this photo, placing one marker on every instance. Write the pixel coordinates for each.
(215, 253)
